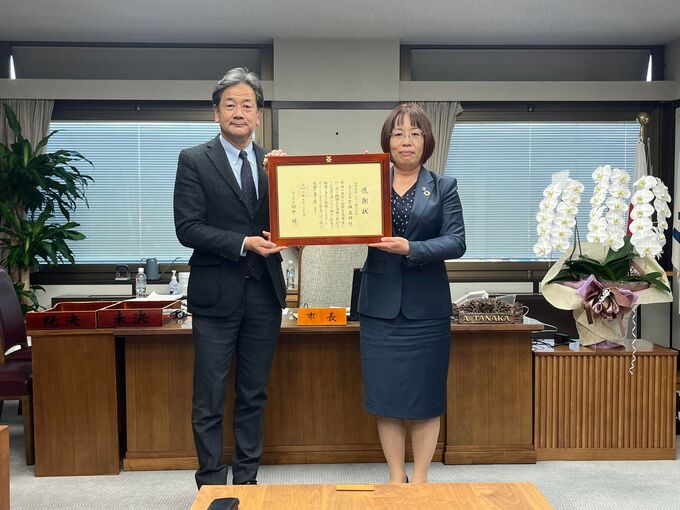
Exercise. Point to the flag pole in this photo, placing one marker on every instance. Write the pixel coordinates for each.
(643, 120)
(640, 167)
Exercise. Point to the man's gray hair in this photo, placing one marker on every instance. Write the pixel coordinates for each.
(237, 76)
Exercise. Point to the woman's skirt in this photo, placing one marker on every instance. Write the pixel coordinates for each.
(405, 364)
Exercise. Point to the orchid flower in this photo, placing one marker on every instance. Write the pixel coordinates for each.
(647, 182)
(642, 211)
(647, 245)
(642, 196)
(557, 214)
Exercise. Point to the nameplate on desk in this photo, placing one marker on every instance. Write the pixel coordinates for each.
(332, 316)
(486, 318)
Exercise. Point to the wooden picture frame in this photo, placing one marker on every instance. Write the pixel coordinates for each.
(329, 199)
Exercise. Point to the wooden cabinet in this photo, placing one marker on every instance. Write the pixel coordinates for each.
(76, 399)
(588, 405)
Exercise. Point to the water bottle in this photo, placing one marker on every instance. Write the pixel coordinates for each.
(290, 276)
(173, 286)
(140, 283)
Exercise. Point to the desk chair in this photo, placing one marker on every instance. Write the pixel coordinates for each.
(16, 376)
(326, 273)
(12, 325)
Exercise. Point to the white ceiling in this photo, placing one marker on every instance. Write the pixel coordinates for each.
(480, 22)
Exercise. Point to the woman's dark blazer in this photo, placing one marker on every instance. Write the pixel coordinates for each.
(417, 284)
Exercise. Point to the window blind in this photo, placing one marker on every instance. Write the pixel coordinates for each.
(503, 167)
(130, 214)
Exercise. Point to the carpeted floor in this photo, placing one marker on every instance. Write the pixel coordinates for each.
(603, 485)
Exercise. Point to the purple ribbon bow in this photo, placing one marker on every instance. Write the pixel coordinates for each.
(606, 300)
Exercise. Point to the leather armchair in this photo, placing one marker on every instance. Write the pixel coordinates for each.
(16, 375)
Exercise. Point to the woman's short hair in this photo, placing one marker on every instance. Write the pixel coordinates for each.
(237, 76)
(418, 119)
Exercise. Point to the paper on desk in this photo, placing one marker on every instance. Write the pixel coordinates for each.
(154, 296)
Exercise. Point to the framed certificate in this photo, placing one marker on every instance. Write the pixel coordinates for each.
(333, 199)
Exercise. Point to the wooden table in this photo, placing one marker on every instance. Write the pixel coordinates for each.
(432, 496)
(589, 407)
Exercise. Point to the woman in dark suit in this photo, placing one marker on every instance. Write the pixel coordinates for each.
(405, 303)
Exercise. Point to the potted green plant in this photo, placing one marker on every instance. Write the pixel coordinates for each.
(33, 185)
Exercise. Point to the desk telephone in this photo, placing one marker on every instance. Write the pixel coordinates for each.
(473, 294)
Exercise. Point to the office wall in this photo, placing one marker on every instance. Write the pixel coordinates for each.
(315, 71)
(675, 309)
(116, 63)
(330, 131)
(672, 71)
(330, 70)
(196, 90)
(4, 60)
(519, 64)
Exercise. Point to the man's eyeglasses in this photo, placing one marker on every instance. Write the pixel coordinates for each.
(416, 135)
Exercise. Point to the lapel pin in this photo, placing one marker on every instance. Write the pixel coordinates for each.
(426, 192)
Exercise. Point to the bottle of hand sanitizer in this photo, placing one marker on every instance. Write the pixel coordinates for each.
(173, 287)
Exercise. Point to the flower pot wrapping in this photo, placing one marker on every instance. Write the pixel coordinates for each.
(600, 330)
(565, 295)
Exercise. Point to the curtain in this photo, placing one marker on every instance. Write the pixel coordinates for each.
(442, 114)
(34, 116)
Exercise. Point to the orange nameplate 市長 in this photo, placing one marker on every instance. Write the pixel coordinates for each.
(321, 316)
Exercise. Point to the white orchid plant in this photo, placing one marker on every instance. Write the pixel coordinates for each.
(557, 214)
(650, 205)
(608, 224)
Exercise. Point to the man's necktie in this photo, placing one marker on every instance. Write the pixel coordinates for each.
(248, 184)
(254, 262)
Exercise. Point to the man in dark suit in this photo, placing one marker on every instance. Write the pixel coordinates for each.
(236, 290)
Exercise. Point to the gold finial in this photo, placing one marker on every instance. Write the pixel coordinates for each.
(643, 120)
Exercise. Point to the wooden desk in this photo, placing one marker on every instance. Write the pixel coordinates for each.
(314, 412)
(432, 496)
(4, 467)
(489, 410)
(589, 407)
